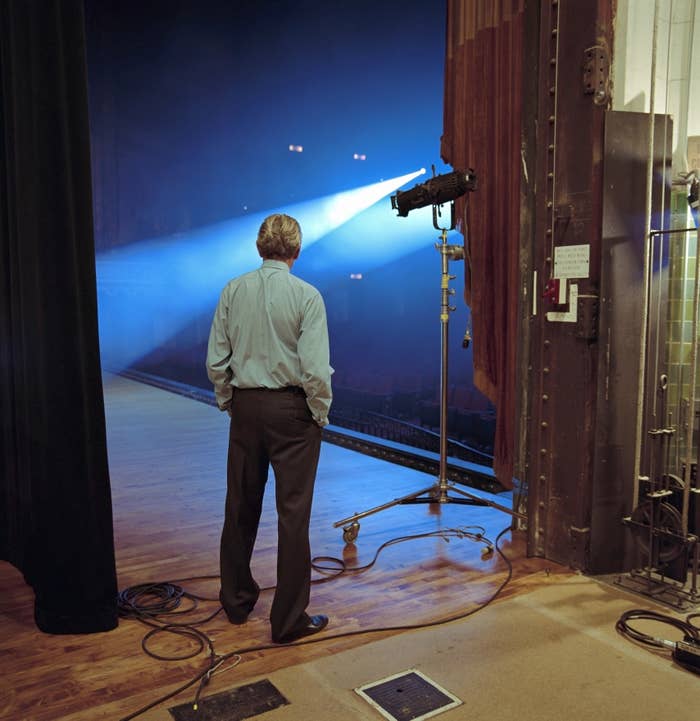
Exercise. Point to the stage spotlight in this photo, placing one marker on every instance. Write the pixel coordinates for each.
(436, 191)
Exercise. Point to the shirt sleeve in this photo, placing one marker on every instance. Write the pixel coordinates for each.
(314, 356)
(219, 353)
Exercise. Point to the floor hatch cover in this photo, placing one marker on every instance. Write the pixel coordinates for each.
(407, 696)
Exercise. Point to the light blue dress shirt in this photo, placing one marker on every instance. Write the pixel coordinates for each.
(270, 331)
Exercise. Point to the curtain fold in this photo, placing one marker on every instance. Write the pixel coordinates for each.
(55, 500)
(482, 130)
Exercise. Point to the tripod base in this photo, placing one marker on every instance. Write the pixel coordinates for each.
(437, 493)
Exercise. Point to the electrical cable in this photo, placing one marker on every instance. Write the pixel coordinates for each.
(689, 620)
(342, 568)
(685, 653)
(147, 602)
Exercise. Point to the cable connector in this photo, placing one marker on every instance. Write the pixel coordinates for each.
(687, 652)
(486, 552)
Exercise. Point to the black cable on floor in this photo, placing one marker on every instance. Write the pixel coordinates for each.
(474, 533)
(148, 602)
(685, 653)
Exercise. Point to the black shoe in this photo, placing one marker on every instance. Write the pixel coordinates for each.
(237, 620)
(313, 625)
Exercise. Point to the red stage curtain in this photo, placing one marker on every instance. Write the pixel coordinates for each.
(482, 130)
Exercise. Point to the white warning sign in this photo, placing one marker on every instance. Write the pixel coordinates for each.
(572, 261)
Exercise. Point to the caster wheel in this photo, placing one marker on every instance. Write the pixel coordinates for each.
(350, 532)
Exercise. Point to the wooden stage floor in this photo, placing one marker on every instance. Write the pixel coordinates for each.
(167, 458)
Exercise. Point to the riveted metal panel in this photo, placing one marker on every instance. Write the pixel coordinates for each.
(563, 331)
(622, 300)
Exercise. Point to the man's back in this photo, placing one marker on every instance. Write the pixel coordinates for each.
(270, 331)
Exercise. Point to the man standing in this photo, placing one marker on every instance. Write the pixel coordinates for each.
(268, 359)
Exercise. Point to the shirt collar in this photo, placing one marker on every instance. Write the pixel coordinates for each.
(282, 265)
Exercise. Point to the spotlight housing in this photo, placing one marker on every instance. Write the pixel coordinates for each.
(436, 191)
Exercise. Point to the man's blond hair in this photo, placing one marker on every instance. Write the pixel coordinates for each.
(279, 237)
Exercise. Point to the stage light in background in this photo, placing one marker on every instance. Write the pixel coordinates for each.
(296, 148)
(151, 290)
(436, 191)
(359, 156)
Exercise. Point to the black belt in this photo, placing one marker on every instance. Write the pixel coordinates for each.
(284, 389)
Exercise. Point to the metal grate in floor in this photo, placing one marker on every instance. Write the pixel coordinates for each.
(235, 705)
(408, 696)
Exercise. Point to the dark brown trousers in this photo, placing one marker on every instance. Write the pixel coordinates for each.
(269, 427)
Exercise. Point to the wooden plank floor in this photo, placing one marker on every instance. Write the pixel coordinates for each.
(167, 467)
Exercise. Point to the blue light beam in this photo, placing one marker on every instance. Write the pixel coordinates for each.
(151, 290)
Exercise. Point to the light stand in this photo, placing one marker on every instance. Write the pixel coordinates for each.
(437, 492)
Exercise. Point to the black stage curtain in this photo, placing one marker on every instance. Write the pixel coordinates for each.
(55, 501)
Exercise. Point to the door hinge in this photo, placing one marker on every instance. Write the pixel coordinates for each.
(596, 74)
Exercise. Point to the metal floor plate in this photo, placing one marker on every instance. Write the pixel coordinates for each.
(235, 705)
(408, 696)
